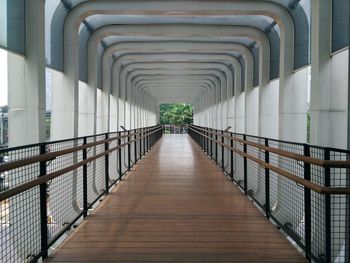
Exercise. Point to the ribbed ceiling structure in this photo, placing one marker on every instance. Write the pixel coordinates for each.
(224, 46)
(259, 66)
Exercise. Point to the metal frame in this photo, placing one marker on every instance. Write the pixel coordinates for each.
(123, 141)
(321, 172)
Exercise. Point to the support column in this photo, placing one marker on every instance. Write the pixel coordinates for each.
(329, 85)
(329, 106)
(27, 96)
(320, 72)
(348, 119)
(26, 82)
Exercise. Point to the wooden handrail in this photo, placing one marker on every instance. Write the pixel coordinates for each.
(295, 156)
(43, 179)
(50, 156)
(310, 185)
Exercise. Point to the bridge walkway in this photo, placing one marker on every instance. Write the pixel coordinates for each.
(176, 206)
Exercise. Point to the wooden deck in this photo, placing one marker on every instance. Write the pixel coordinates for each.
(176, 206)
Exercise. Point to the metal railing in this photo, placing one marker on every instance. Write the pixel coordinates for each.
(304, 189)
(175, 129)
(48, 188)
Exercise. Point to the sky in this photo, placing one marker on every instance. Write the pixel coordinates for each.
(4, 81)
(3, 77)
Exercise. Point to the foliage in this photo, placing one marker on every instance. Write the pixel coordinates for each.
(176, 113)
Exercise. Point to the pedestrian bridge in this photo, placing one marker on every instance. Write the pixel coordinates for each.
(176, 206)
(88, 173)
(208, 195)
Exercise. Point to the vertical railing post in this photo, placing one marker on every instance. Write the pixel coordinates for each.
(145, 132)
(211, 143)
(106, 164)
(147, 141)
(157, 135)
(85, 199)
(216, 147)
(120, 157)
(152, 138)
(231, 157)
(135, 147)
(197, 136)
(307, 205)
(140, 142)
(267, 181)
(222, 151)
(202, 136)
(43, 206)
(204, 139)
(207, 141)
(327, 209)
(245, 168)
(129, 151)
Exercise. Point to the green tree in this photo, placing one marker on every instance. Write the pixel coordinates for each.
(176, 113)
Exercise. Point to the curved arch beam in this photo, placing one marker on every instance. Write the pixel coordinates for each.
(245, 31)
(177, 63)
(233, 62)
(225, 90)
(75, 17)
(224, 58)
(276, 11)
(183, 33)
(143, 80)
(214, 75)
(223, 77)
(255, 34)
(218, 77)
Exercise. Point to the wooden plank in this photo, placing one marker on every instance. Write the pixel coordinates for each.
(176, 206)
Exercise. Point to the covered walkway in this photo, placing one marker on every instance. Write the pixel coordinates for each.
(82, 84)
(176, 206)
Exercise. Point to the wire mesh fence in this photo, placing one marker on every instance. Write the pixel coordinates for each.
(304, 189)
(46, 188)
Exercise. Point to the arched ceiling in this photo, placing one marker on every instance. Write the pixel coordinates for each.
(177, 50)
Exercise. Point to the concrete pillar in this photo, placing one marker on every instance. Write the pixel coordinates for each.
(26, 91)
(320, 72)
(328, 107)
(348, 114)
(113, 118)
(328, 87)
(26, 81)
